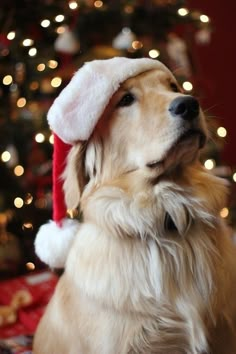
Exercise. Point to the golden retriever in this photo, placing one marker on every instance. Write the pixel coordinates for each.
(152, 269)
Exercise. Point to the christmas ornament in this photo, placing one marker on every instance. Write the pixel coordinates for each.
(124, 39)
(66, 42)
(178, 54)
(203, 36)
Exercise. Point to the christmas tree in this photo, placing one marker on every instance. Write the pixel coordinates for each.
(42, 43)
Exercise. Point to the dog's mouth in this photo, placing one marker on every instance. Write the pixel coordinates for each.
(182, 142)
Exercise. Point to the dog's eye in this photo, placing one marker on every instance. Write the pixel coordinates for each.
(126, 100)
(174, 87)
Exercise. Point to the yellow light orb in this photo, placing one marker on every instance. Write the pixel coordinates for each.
(32, 52)
(224, 212)
(41, 203)
(204, 18)
(41, 67)
(56, 82)
(30, 266)
(234, 177)
(59, 18)
(6, 156)
(51, 139)
(21, 102)
(137, 45)
(34, 85)
(73, 5)
(27, 42)
(27, 226)
(45, 23)
(18, 202)
(7, 80)
(209, 164)
(52, 64)
(98, 3)
(183, 11)
(222, 132)
(28, 198)
(11, 35)
(128, 9)
(60, 29)
(19, 170)
(187, 86)
(39, 138)
(154, 53)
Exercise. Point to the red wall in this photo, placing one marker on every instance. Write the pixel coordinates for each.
(216, 65)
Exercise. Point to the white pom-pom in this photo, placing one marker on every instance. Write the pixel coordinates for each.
(52, 243)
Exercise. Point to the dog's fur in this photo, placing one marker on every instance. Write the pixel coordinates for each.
(152, 269)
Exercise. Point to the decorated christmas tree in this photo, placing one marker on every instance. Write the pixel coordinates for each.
(42, 43)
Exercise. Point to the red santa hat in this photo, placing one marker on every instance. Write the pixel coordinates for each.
(73, 117)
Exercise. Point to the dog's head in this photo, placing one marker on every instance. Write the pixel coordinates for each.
(149, 126)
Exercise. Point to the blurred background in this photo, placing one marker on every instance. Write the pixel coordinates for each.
(43, 42)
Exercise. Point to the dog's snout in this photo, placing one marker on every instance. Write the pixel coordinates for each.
(186, 107)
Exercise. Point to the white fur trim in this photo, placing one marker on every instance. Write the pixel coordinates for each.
(77, 109)
(52, 243)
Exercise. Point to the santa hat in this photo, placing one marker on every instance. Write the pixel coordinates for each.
(73, 117)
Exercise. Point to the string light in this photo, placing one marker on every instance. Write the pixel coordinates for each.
(60, 29)
(204, 18)
(41, 203)
(56, 82)
(11, 35)
(32, 52)
(59, 18)
(34, 85)
(234, 177)
(187, 86)
(98, 3)
(52, 64)
(19, 170)
(137, 45)
(51, 139)
(45, 23)
(27, 226)
(73, 5)
(209, 164)
(18, 202)
(28, 199)
(7, 80)
(224, 212)
(183, 11)
(128, 9)
(221, 132)
(30, 266)
(154, 53)
(39, 138)
(21, 102)
(41, 67)
(27, 42)
(6, 156)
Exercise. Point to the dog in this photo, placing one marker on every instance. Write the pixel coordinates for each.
(152, 269)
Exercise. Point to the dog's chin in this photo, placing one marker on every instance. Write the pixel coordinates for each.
(184, 151)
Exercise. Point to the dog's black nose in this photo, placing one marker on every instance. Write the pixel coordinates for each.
(186, 107)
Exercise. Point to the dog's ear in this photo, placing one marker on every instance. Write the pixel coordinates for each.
(74, 176)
